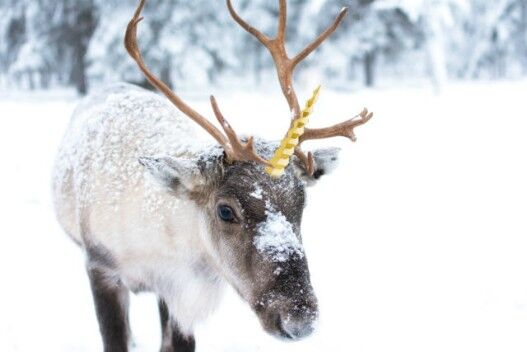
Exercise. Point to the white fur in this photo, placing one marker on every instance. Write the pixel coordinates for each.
(103, 196)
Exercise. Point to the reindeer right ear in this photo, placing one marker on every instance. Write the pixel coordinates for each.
(325, 161)
(174, 172)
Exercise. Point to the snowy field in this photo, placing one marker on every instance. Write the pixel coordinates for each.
(417, 243)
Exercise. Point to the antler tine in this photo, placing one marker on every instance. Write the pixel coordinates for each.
(320, 39)
(282, 21)
(237, 149)
(255, 32)
(234, 149)
(307, 160)
(343, 129)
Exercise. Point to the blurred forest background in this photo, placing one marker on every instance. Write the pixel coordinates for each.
(78, 43)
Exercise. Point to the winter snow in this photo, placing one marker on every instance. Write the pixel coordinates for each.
(417, 242)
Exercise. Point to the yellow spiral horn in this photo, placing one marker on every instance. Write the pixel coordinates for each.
(287, 147)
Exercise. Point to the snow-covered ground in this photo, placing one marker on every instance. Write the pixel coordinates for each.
(418, 242)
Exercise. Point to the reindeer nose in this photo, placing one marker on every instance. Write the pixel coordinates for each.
(299, 320)
(297, 327)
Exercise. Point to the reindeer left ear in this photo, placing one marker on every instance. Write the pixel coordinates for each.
(172, 172)
(189, 173)
(326, 161)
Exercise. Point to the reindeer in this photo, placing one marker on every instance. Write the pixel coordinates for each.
(155, 209)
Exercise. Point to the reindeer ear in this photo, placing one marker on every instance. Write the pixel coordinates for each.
(326, 161)
(189, 173)
(171, 172)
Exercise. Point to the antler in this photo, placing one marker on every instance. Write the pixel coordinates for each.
(235, 149)
(308, 160)
(285, 67)
(343, 129)
(239, 150)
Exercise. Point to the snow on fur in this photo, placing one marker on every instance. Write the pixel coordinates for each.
(276, 238)
(258, 192)
(144, 123)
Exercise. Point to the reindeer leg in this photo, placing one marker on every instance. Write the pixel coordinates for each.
(111, 304)
(173, 339)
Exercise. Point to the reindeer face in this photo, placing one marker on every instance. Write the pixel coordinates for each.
(255, 228)
(253, 235)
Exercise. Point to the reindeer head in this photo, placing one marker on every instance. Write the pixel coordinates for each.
(252, 220)
(251, 229)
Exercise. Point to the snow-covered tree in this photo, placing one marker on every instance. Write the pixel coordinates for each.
(47, 40)
(373, 30)
(48, 43)
(492, 39)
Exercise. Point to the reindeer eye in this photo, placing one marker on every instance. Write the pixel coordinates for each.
(226, 213)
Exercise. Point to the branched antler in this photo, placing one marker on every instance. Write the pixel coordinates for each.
(285, 67)
(235, 150)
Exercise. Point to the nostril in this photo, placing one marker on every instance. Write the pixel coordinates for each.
(279, 323)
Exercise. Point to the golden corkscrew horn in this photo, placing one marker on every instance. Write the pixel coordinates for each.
(287, 147)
